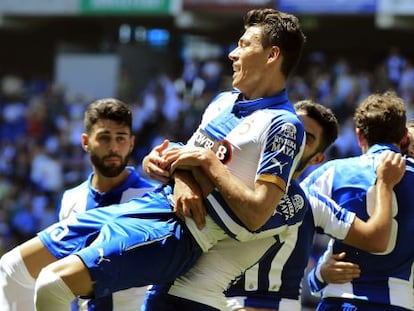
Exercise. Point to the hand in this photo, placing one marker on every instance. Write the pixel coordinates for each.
(154, 164)
(188, 198)
(336, 271)
(391, 168)
(188, 157)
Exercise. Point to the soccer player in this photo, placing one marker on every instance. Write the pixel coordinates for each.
(109, 141)
(386, 281)
(242, 155)
(329, 268)
(201, 288)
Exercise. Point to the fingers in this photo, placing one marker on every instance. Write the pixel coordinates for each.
(391, 168)
(339, 256)
(162, 147)
(337, 271)
(178, 209)
(197, 212)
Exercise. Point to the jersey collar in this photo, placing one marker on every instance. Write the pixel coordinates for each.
(243, 107)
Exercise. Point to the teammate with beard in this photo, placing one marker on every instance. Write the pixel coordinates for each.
(109, 141)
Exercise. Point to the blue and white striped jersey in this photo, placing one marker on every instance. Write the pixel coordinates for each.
(84, 197)
(260, 139)
(386, 278)
(275, 282)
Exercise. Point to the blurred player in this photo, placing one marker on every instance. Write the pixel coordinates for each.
(330, 268)
(386, 281)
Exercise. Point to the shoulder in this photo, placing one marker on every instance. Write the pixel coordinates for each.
(84, 186)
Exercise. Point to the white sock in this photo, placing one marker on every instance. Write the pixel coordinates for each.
(51, 293)
(16, 283)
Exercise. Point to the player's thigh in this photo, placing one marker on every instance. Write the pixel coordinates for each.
(74, 273)
(35, 256)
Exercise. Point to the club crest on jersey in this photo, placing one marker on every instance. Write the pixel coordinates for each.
(289, 206)
(222, 148)
(289, 131)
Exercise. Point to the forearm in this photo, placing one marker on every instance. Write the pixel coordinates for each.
(252, 206)
(381, 219)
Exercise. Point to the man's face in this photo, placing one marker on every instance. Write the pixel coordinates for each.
(249, 62)
(109, 146)
(313, 139)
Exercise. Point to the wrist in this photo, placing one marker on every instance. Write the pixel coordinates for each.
(384, 185)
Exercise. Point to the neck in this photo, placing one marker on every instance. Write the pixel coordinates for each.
(103, 184)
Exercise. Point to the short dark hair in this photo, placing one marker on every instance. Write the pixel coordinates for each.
(107, 109)
(325, 118)
(279, 29)
(381, 118)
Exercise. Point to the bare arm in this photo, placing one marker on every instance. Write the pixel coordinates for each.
(252, 206)
(373, 235)
(190, 188)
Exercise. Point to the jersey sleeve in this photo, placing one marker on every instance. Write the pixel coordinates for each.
(282, 150)
(328, 216)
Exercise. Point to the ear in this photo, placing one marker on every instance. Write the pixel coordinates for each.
(274, 53)
(85, 142)
(317, 158)
(361, 139)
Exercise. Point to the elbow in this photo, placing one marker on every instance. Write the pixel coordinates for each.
(255, 221)
(381, 248)
(378, 246)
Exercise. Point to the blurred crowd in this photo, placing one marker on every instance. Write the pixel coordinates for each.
(41, 124)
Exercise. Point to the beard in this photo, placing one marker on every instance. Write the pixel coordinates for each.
(111, 170)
